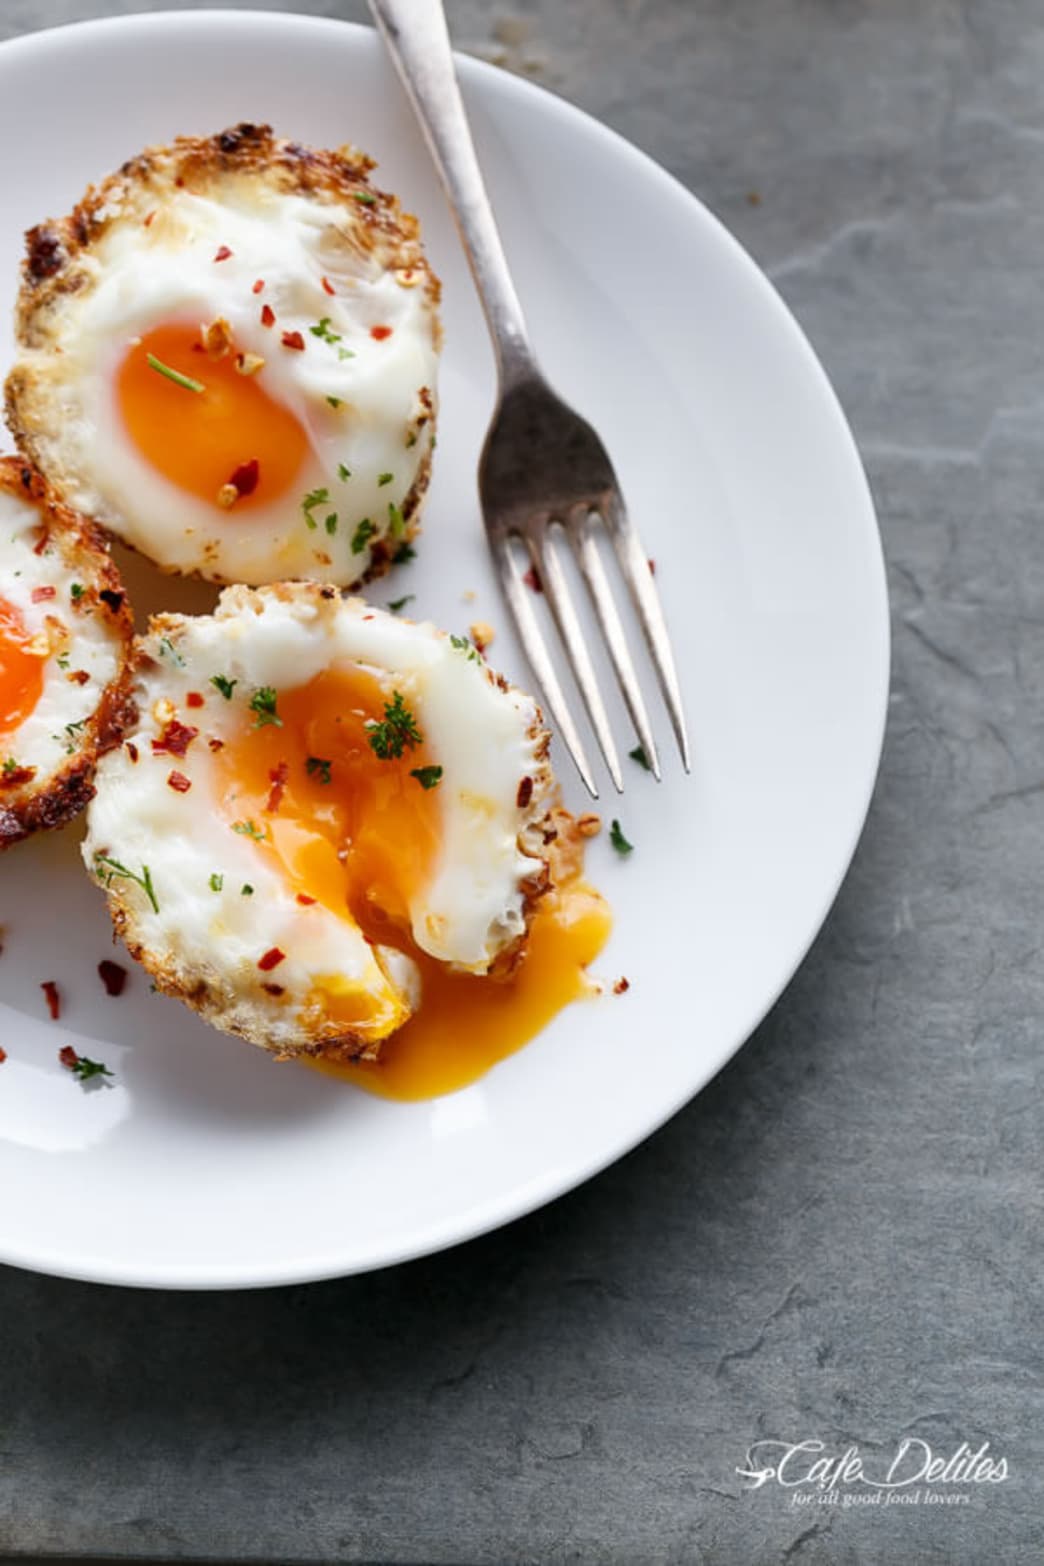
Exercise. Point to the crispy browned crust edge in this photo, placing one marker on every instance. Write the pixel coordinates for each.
(29, 808)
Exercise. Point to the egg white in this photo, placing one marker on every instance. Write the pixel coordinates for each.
(205, 944)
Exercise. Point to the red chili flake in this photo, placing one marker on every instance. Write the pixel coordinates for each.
(175, 739)
(304, 899)
(198, 348)
(258, 286)
(54, 1000)
(216, 745)
(132, 750)
(39, 594)
(621, 986)
(68, 1056)
(274, 989)
(652, 566)
(149, 218)
(42, 542)
(379, 333)
(293, 340)
(244, 479)
(223, 253)
(3, 1056)
(272, 958)
(277, 777)
(179, 782)
(267, 315)
(112, 976)
(193, 699)
(78, 676)
(532, 580)
(525, 793)
(328, 287)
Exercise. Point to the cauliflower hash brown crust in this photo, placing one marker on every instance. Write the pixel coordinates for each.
(62, 262)
(253, 969)
(37, 798)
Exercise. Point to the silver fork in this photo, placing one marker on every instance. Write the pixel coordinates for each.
(542, 464)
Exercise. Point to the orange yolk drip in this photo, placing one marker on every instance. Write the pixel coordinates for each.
(364, 845)
(21, 671)
(199, 440)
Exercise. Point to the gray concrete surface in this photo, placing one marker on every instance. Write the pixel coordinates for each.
(840, 1240)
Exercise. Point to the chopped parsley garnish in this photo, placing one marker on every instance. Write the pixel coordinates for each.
(397, 732)
(335, 402)
(331, 523)
(400, 603)
(248, 829)
(396, 520)
(315, 497)
(411, 439)
(71, 731)
(323, 331)
(222, 683)
(618, 840)
(167, 647)
(318, 765)
(462, 644)
(365, 198)
(263, 703)
(217, 881)
(384, 478)
(343, 472)
(364, 531)
(404, 554)
(85, 1068)
(638, 755)
(246, 890)
(174, 375)
(63, 660)
(10, 765)
(76, 592)
(427, 777)
(109, 870)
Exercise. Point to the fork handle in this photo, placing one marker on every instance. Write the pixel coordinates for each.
(417, 37)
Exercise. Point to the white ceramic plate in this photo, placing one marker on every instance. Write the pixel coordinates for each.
(207, 1165)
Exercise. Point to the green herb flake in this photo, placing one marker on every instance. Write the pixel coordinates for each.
(462, 644)
(248, 829)
(335, 402)
(318, 766)
(85, 1068)
(364, 531)
(263, 705)
(331, 523)
(384, 478)
(174, 375)
(427, 777)
(10, 765)
(167, 648)
(618, 840)
(397, 732)
(365, 198)
(109, 870)
(404, 554)
(638, 755)
(217, 881)
(396, 520)
(400, 603)
(343, 472)
(323, 330)
(63, 660)
(246, 890)
(222, 683)
(76, 592)
(315, 497)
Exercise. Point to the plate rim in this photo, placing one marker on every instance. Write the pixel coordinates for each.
(539, 1191)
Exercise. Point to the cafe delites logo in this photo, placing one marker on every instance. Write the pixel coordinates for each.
(915, 1474)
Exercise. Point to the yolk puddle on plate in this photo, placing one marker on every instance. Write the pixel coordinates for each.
(200, 439)
(21, 671)
(361, 835)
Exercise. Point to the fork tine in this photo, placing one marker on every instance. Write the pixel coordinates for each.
(634, 563)
(533, 642)
(590, 562)
(560, 601)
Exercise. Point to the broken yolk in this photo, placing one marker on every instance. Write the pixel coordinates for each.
(364, 845)
(201, 439)
(21, 671)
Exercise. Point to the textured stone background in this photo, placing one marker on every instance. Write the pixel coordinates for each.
(841, 1238)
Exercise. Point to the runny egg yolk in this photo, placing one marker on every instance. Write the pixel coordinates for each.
(364, 844)
(21, 671)
(205, 441)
